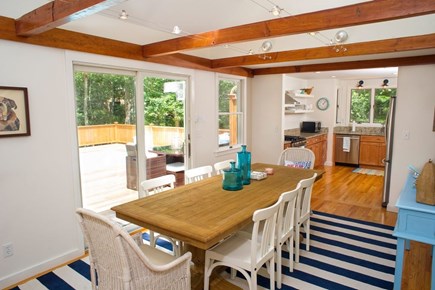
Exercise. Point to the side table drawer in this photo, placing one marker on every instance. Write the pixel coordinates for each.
(418, 224)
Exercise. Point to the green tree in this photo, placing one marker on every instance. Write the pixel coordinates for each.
(104, 98)
(360, 105)
(162, 109)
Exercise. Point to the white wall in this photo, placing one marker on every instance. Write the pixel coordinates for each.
(39, 174)
(37, 178)
(414, 113)
(267, 118)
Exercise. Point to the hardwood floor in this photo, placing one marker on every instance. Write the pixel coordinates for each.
(359, 196)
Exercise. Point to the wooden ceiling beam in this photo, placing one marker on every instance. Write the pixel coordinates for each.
(59, 12)
(357, 14)
(64, 39)
(194, 62)
(388, 62)
(354, 49)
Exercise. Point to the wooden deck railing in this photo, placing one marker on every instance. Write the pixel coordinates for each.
(125, 133)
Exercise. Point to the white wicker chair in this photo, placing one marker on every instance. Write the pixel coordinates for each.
(244, 253)
(154, 186)
(297, 157)
(303, 213)
(123, 262)
(198, 173)
(220, 166)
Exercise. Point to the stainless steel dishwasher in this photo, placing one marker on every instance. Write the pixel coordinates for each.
(347, 149)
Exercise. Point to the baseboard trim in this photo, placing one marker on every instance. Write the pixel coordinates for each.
(17, 278)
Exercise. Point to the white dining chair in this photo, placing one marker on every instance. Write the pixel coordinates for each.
(120, 261)
(303, 213)
(297, 157)
(220, 166)
(154, 186)
(285, 228)
(197, 173)
(245, 254)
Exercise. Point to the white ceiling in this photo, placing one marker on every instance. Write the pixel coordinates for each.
(151, 21)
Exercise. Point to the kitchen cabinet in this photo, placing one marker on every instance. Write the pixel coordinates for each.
(372, 151)
(318, 144)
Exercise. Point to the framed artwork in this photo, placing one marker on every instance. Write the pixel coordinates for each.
(14, 112)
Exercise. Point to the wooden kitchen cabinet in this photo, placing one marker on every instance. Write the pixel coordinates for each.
(318, 145)
(372, 151)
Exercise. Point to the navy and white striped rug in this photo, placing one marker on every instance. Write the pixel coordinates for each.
(344, 254)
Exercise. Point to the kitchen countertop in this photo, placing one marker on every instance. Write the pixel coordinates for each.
(297, 132)
(374, 131)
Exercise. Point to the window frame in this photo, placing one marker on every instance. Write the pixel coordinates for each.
(371, 116)
(241, 112)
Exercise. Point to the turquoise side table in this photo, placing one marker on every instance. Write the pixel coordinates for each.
(415, 221)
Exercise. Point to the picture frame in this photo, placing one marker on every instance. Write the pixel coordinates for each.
(14, 112)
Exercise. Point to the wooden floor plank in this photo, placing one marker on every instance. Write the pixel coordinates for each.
(359, 196)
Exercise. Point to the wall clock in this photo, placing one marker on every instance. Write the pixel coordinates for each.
(322, 104)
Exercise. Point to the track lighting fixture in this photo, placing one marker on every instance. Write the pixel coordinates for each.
(123, 15)
(276, 10)
(176, 30)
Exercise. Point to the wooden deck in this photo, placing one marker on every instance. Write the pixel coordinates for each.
(103, 177)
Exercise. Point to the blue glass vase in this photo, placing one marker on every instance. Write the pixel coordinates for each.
(244, 164)
(232, 178)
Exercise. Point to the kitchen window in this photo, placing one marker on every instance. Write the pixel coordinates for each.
(370, 106)
(230, 112)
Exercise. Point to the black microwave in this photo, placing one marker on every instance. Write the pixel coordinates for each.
(310, 126)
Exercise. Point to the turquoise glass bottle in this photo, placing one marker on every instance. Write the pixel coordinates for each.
(232, 178)
(244, 164)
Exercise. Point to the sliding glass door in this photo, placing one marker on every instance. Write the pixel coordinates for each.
(165, 131)
(106, 129)
(118, 147)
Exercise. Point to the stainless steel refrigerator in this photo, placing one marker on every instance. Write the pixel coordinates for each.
(389, 133)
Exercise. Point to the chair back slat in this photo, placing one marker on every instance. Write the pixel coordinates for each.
(158, 184)
(264, 219)
(198, 173)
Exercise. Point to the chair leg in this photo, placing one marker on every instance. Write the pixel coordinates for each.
(272, 274)
(278, 265)
(307, 233)
(152, 239)
(233, 273)
(253, 285)
(291, 252)
(297, 241)
(206, 276)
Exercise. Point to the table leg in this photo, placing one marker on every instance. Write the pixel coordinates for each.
(399, 263)
(432, 278)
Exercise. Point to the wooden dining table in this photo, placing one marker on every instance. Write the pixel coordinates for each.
(202, 214)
